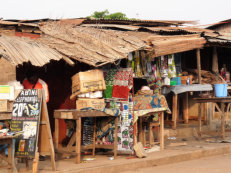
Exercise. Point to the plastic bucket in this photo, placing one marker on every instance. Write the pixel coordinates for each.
(221, 90)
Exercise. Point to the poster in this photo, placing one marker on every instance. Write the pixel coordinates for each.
(25, 119)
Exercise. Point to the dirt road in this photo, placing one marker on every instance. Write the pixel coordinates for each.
(217, 164)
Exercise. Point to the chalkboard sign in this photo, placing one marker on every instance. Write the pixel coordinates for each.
(26, 118)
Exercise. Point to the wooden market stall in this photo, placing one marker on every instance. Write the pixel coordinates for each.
(104, 44)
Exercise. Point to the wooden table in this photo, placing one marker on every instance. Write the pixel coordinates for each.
(185, 90)
(77, 115)
(221, 100)
(10, 160)
(142, 131)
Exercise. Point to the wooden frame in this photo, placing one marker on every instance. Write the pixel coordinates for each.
(77, 115)
(142, 132)
(221, 100)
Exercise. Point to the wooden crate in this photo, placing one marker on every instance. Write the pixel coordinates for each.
(93, 103)
(6, 105)
(89, 81)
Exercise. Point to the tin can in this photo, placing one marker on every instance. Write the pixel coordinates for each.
(22, 144)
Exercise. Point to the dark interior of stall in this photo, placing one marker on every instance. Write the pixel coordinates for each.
(57, 75)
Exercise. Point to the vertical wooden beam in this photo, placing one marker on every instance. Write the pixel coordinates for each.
(10, 164)
(174, 110)
(215, 60)
(199, 65)
(115, 137)
(56, 133)
(78, 140)
(185, 108)
(162, 131)
(94, 137)
(199, 121)
(150, 134)
(223, 120)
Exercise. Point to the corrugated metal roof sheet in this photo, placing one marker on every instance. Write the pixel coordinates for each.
(138, 22)
(18, 50)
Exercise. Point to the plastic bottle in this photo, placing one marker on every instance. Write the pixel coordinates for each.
(188, 81)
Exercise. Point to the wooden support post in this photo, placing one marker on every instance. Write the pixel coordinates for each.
(27, 163)
(162, 131)
(206, 113)
(78, 140)
(144, 136)
(10, 166)
(94, 137)
(199, 120)
(215, 60)
(185, 108)
(115, 138)
(35, 163)
(223, 120)
(174, 110)
(150, 135)
(199, 65)
(56, 133)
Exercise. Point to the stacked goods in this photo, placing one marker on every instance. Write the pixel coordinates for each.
(207, 77)
(86, 82)
(88, 87)
(6, 94)
(88, 131)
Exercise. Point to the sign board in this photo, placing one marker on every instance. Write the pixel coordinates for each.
(26, 118)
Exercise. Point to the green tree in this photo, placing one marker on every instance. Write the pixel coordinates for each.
(100, 14)
(106, 15)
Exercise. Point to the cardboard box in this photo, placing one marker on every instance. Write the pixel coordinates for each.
(6, 105)
(85, 82)
(93, 103)
(184, 79)
(6, 92)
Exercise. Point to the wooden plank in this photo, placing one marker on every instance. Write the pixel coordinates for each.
(185, 108)
(45, 138)
(78, 140)
(35, 163)
(198, 65)
(75, 114)
(174, 110)
(5, 115)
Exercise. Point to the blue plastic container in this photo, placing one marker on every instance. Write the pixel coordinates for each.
(177, 79)
(220, 90)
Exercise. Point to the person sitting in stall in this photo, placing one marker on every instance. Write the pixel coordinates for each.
(33, 82)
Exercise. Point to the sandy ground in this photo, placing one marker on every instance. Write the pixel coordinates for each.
(217, 164)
